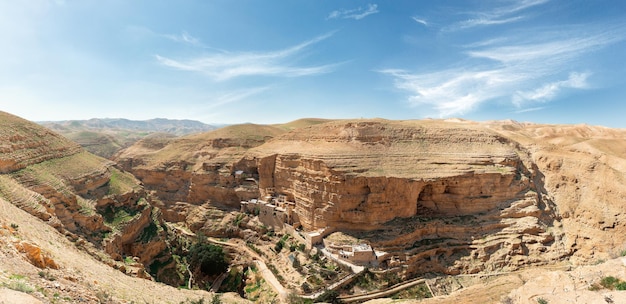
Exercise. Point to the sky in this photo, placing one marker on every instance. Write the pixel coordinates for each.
(235, 61)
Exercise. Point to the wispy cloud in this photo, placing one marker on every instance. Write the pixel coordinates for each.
(549, 90)
(234, 96)
(183, 37)
(228, 65)
(420, 21)
(526, 110)
(530, 70)
(499, 15)
(356, 14)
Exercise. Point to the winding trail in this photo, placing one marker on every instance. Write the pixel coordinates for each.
(382, 293)
(267, 274)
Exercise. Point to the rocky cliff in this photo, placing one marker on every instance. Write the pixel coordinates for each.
(83, 196)
(398, 185)
(445, 197)
(188, 171)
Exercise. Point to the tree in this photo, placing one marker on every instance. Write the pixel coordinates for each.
(329, 296)
(210, 258)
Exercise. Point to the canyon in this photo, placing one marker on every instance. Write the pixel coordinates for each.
(446, 197)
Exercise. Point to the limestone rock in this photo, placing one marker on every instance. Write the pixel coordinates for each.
(35, 255)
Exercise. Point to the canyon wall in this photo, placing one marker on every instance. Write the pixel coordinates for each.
(453, 185)
(83, 196)
(445, 196)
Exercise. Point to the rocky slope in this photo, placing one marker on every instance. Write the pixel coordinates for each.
(71, 274)
(452, 197)
(584, 170)
(443, 196)
(83, 196)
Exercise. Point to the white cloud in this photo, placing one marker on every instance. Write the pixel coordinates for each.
(228, 65)
(231, 97)
(529, 110)
(420, 21)
(487, 21)
(528, 72)
(496, 16)
(452, 92)
(356, 14)
(549, 90)
(184, 37)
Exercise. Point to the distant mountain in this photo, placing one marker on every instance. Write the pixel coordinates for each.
(106, 136)
(172, 126)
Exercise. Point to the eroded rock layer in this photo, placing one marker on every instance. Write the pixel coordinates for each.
(437, 196)
(427, 192)
(83, 196)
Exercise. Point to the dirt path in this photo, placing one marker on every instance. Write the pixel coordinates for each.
(267, 274)
(382, 293)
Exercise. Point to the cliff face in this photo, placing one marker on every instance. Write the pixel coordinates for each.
(405, 185)
(445, 196)
(81, 195)
(197, 169)
(439, 196)
(584, 170)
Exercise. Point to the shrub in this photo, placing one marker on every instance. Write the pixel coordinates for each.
(216, 299)
(210, 258)
(620, 286)
(46, 275)
(14, 226)
(542, 301)
(20, 286)
(329, 296)
(609, 282)
(279, 246)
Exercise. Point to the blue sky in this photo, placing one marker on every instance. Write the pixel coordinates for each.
(228, 61)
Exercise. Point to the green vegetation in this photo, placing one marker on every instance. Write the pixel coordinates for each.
(234, 280)
(281, 243)
(116, 217)
(216, 299)
(17, 283)
(542, 301)
(121, 182)
(329, 296)
(121, 215)
(209, 258)
(46, 275)
(14, 226)
(149, 232)
(17, 277)
(609, 282)
(293, 298)
(87, 207)
(20, 286)
(129, 260)
(255, 249)
(238, 219)
(277, 274)
(252, 288)
(416, 292)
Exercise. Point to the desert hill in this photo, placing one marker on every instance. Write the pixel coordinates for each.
(434, 198)
(106, 136)
(81, 220)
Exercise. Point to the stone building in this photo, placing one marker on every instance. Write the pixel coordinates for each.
(274, 214)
